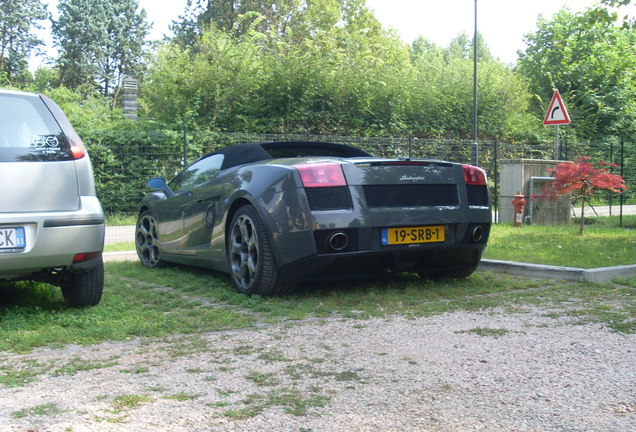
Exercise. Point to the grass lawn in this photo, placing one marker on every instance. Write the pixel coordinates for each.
(603, 244)
(120, 247)
(120, 219)
(156, 303)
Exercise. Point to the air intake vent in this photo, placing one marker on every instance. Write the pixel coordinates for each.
(329, 198)
(411, 195)
(477, 195)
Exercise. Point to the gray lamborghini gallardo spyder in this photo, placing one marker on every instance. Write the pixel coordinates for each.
(275, 214)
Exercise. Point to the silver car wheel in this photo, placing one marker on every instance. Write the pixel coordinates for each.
(244, 251)
(146, 241)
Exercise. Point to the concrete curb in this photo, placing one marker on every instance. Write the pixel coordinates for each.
(597, 275)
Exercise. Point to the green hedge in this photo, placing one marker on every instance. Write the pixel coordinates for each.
(124, 160)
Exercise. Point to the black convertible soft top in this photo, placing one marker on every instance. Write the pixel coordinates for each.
(255, 152)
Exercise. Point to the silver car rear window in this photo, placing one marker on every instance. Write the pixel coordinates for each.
(29, 132)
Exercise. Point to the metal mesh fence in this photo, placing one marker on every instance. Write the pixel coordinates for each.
(123, 163)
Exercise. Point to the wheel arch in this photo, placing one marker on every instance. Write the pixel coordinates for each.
(265, 218)
(264, 280)
(142, 209)
(236, 204)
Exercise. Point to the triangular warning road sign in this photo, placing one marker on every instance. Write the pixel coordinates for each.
(557, 112)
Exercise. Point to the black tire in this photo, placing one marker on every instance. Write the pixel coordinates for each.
(253, 267)
(86, 288)
(147, 242)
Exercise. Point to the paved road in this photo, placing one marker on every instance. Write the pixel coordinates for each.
(605, 210)
(120, 234)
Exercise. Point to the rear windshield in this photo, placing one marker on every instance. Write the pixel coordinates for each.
(28, 131)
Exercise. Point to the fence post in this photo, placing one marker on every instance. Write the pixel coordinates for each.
(620, 215)
(185, 145)
(611, 160)
(496, 172)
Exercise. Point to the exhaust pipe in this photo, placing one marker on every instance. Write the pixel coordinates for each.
(478, 233)
(337, 241)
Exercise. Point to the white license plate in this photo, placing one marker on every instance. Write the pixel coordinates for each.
(12, 238)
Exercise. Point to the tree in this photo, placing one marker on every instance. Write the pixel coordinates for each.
(328, 66)
(591, 60)
(628, 21)
(18, 18)
(462, 46)
(332, 68)
(440, 94)
(100, 41)
(229, 16)
(582, 179)
(212, 84)
(289, 20)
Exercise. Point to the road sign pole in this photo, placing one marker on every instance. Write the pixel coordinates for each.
(474, 158)
(622, 197)
(556, 143)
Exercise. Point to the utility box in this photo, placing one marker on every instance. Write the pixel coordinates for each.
(530, 176)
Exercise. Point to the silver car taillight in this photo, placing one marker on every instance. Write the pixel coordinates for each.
(77, 148)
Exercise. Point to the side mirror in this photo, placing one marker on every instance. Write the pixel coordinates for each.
(159, 183)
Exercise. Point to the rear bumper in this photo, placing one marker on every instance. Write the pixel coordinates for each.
(53, 239)
(297, 232)
(426, 260)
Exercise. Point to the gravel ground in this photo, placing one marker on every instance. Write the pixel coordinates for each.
(491, 371)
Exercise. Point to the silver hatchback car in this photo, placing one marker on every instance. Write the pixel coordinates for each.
(51, 221)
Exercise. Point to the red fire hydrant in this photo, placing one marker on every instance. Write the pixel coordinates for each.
(518, 203)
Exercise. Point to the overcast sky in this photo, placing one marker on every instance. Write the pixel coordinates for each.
(503, 23)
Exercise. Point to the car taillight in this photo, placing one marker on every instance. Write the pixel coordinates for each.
(81, 257)
(474, 175)
(78, 149)
(321, 175)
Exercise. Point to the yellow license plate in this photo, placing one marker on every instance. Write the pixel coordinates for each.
(413, 235)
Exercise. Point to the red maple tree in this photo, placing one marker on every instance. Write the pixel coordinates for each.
(582, 179)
